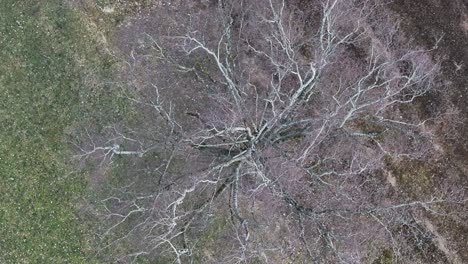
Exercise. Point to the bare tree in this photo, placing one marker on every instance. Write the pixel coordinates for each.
(263, 134)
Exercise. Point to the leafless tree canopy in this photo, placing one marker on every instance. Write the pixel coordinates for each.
(262, 133)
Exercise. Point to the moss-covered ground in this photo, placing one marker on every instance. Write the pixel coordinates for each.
(44, 49)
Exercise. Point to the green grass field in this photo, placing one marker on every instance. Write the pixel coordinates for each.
(43, 48)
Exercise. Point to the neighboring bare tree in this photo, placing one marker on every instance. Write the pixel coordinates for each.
(263, 135)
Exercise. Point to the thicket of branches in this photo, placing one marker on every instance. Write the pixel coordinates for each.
(262, 135)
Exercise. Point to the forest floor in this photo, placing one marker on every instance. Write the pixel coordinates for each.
(425, 22)
(52, 52)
